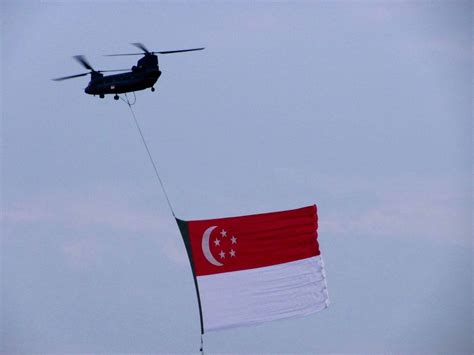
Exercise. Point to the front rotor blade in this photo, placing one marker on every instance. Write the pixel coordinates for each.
(180, 50)
(81, 59)
(70, 77)
(117, 55)
(140, 46)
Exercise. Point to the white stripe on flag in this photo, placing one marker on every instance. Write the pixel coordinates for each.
(264, 294)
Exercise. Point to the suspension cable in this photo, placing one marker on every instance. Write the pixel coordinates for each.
(127, 101)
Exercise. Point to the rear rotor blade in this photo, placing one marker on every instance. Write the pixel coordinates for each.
(70, 77)
(180, 50)
(81, 59)
(140, 46)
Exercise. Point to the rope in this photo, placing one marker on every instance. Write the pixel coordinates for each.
(127, 101)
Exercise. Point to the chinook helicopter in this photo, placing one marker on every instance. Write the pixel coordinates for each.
(141, 76)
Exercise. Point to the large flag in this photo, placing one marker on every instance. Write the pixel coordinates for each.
(257, 268)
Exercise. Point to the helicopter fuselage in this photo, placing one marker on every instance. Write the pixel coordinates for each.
(134, 80)
(142, 76)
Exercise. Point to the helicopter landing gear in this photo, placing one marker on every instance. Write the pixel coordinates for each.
(152, 89)
(101, 96)
(116, 97)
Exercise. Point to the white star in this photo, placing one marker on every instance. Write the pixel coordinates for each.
(234, 240)
(232, 252)
(223, 233)
(217, 242)
(222, 254)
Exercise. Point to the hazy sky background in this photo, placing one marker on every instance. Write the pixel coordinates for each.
(363, 108)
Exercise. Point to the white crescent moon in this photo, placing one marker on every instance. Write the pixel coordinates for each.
(205, 246)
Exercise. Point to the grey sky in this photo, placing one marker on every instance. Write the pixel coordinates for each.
(363, 108)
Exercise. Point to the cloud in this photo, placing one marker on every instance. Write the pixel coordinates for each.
(83, 252)
(90, 217)
(377, 12)
(409, 208)
(93, 206)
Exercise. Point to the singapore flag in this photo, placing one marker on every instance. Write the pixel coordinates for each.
(256, 268)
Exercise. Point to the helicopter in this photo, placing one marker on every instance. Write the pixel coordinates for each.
(142, 76)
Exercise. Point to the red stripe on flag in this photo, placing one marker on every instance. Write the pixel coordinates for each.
(248, 242)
